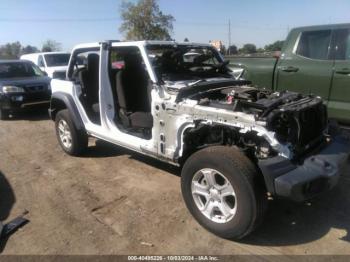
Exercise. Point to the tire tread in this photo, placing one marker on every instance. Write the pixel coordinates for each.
(249, 173)
(79, 138)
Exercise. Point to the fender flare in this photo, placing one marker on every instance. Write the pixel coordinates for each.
(56, 105)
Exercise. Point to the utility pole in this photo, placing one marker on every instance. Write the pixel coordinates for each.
(229, 36)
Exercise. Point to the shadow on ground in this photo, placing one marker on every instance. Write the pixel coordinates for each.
(288, 223)
(104, 149)
(38, 114)
(7, 197)
(285, 223)
(7, 200)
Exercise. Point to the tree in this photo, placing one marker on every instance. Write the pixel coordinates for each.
(145, 21)
(248, 49)
(29, 49)
(232, 50)
(51, 46)
(15, 50)
(260, 50)
(186, 40)
(276, 46)
(11, 50)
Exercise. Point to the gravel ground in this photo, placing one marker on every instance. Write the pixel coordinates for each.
(113, 201)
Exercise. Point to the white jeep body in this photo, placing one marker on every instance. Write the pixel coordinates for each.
(272, 145)
(170, 122)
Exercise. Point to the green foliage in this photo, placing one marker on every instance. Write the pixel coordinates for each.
(145, 21)
(247, 49)
(29, 49)
(51, 46)
(276, 46)
(10, 50)
(15, 50)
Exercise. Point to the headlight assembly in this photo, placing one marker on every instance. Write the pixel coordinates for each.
(12, 89)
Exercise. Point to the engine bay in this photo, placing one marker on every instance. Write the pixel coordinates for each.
(300, 120)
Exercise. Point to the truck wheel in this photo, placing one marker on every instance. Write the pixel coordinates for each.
(72, 141)
(223, 191)
(4, 114)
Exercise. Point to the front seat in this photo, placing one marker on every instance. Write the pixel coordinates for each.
(89, 79)
(133, 92)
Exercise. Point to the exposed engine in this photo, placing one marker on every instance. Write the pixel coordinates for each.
(295, 118)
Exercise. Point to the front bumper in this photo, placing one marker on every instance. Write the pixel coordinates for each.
(21, 101)
(317, 174)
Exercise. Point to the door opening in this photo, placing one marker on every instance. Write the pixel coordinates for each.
(132, 92)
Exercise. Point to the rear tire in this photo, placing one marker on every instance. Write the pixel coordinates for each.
(72, 140)
(224, 191)
(4, 114)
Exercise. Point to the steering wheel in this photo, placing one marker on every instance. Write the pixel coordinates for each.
(209, 67)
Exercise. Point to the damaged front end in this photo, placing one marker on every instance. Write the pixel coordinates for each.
(310, 161)
(316, 174)
(297, 121)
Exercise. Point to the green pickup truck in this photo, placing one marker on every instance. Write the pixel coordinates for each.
(313, 60)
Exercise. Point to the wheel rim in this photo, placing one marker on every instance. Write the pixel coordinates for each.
(214, 195)
(65, 134)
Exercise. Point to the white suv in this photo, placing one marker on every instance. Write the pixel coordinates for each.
(53, 63)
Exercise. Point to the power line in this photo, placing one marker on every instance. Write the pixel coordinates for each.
(235, 27)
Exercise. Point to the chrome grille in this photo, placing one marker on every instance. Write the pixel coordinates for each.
(35, 88)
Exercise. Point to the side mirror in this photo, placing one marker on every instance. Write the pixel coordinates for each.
(45, 74)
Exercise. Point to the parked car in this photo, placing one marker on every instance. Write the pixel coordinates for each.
(53, 63)
(235, 143)
(22, 85)
(314, 60)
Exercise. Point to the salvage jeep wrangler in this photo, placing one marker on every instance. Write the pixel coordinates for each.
(237, 145)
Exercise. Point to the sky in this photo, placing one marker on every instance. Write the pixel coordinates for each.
(71, 22)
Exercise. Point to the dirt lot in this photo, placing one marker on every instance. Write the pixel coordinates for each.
(111, 201)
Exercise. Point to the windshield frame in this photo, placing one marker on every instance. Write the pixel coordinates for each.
(169, 45)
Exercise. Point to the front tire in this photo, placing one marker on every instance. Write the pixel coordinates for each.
(223, 191)
(72, 140)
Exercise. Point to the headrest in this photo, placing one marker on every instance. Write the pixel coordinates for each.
(93, 61)
(133, 61)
